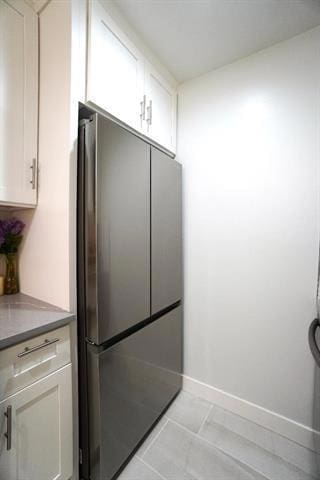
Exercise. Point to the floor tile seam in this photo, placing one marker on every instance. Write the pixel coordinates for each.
(255, 469)
(272, 432)
(242, 463)
(155, 438)
(205, 419)
(285, 461)
(153, 469)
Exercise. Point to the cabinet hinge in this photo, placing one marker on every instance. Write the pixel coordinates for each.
(80, 456)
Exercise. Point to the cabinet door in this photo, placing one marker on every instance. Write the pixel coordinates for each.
(41, 425)
(166, 234)
(160, 109)
(18, 102)
(115, 68)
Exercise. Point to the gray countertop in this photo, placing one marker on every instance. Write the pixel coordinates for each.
(23, 317)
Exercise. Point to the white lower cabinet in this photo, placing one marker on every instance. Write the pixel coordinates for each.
(36, 430)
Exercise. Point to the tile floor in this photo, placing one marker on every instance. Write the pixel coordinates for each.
(196, 440)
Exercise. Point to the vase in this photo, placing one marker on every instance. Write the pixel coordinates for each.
(11, 281)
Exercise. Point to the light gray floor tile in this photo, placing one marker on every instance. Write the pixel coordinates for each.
(151, 436)
(247, 452)
(178, 454)
(243, 427)
(189, 411)
(301, 457)
(137, 470)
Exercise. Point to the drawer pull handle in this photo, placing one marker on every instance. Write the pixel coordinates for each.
(46, 343)
(8, 434)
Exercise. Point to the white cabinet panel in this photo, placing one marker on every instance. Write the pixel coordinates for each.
(18, 102)
(115, 68)
(41, 438)
(161, 109)
(119, 78)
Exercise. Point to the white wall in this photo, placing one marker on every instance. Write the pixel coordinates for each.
(48, 255)
(249, 141)
(44, 263)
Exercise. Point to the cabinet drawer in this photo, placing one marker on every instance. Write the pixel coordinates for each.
(33, 359)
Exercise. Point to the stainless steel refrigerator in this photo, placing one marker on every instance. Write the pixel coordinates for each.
(129, 291)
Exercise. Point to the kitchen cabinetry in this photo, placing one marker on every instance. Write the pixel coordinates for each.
(161, 104)
(36, 416)
(124, 84)
(18, 103)
(115, 68)
(38, 446)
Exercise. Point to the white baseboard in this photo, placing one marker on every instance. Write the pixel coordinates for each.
(301, 434)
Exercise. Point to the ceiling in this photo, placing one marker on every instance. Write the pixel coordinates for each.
(192, 37)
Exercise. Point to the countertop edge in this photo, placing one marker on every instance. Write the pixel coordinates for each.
(27, 334)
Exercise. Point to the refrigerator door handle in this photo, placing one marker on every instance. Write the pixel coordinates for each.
(312, 340)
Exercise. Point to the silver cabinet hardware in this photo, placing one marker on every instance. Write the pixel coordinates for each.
(8, 434)
(34, 172)
(143, 109)
(46, 343)
(149, 110)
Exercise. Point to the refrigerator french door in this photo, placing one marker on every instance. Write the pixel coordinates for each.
(129, 292)
(166, 231)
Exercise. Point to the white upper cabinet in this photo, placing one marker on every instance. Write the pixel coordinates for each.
(124, 84)
(160, 109)
(18, 103)
(115, 68)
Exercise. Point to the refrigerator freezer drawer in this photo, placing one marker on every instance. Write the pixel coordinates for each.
(130, 384)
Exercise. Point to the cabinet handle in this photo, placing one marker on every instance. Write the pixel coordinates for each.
(143, 109)
(33, 175)
(46, 343)
(149, 109)
(8, 434)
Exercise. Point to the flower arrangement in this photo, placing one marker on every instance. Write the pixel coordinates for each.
(10, 239)
(10, 235)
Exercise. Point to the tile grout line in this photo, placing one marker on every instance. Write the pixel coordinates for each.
(244, 463)
(155, 438)
(204, 420)
(153, 469)
(241, 463)
(272, 452)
